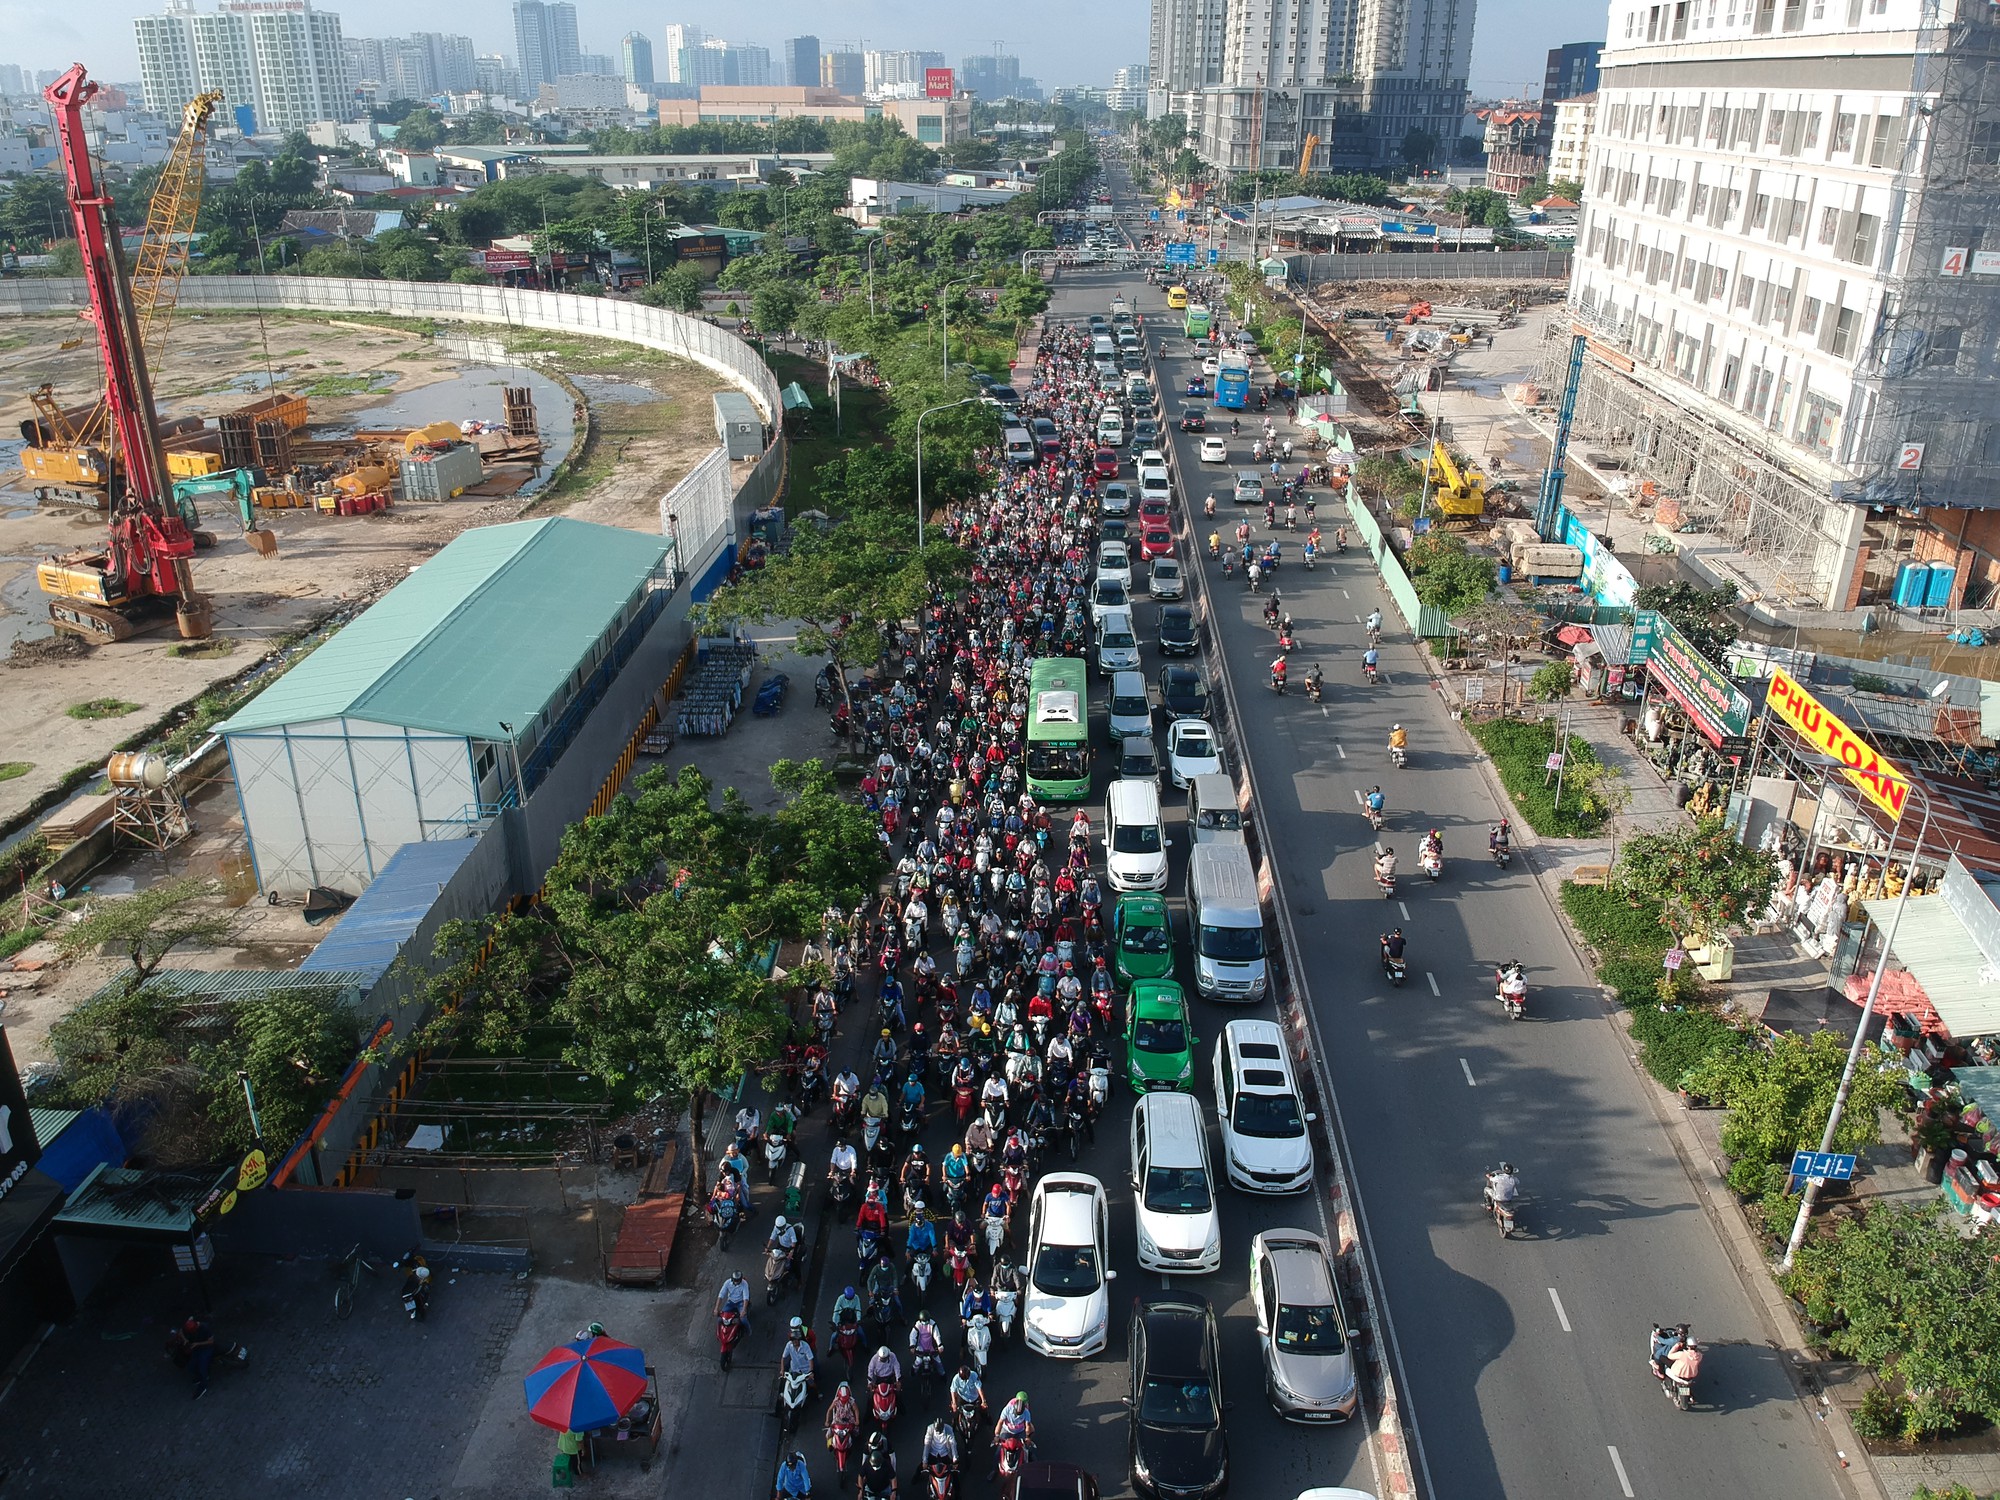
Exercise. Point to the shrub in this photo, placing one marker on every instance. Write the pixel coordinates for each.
(1925, 1492)
(1520, 751)
(1673, 1042)
(1552, 682)
(1880, 1417)
(1615, 922)
(1631, 980)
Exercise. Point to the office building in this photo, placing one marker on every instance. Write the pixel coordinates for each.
(636, 54)
(281, 58)
(679, 38)
(801, 59)
(843, 72)
(1795, 325)
(1569, 142)
(1571, 73)
(990, 76)
(545, 41)
(1128, 87)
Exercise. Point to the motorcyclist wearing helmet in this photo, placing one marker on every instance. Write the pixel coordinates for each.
(784, 1237)
(1399, 738)
(794, 1481)
(1503, 1185)
(922, 1236)
(884, 1365)
(878, 1468)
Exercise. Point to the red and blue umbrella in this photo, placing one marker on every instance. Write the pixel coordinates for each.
(585, 1384)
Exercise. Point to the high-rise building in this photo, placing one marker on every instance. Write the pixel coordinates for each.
(14, 83)
(281, 58)
(679, 39)
(800, 56)
(717, 62)
(545, 41)
(636, 53)
(419, 66)
(990, 76)
(844, 72)
(493, 74)
(1375, 81)
(1782, 266)
(1572, 71)
(1569, 142)
(897, 74)
(1128, 87)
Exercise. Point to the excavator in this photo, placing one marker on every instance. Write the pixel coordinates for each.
(141, 571)
(1460, 493)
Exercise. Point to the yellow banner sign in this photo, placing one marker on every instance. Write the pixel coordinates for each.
(1884, 784)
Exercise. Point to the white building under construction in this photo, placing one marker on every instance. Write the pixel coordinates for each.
(1792, 301)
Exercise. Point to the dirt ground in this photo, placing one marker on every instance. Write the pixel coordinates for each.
(655, 422)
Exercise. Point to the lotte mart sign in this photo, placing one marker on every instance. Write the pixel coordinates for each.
(1717, 706)
(1878, 778)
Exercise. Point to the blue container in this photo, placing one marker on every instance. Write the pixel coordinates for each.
(1506, 573)
(1943, 576)
(1912, 583)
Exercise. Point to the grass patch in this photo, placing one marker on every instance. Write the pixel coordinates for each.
(293, 354)
(586, 355)
(862, 414)
(1519, 750)
(13, 942)
(101, 708)
(208, 650)
(368, 383)
(1673, 1041)
(13, 770)
(1617, 925)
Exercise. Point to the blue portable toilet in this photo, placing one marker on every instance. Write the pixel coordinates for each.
(1912, 583)
(1943, 576)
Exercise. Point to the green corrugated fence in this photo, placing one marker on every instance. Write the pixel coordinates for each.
(1422, 619)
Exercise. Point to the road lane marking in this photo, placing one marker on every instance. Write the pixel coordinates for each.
(1326, 713)
(1434, 984)
(1464, 1066)
(1619, 1464)
(1345, 595)
(1404, 910)
(1563, 1318)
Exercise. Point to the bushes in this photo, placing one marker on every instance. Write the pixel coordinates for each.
(1674, 1042)
(1520, 750)
(1615, 923)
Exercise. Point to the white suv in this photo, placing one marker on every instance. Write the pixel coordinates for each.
(1067, 1314)
(1265, 1148)
(1173, 1191)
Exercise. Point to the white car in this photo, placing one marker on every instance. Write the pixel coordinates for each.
(1210, 365)
(1154, 486)
(1265, 1148)
(1166, 581)
(1173, 1195)
(1152, 458)
(1106, 595)
(1111, 430)
(1113, 561)
(1214, 451)
(1068, 1310)
(1192, 750)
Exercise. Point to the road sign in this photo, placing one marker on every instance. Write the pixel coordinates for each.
(1214, 255)
(1179, 253)
(1675, 958)
(1153, 213)
(1554, 762)
(1832, 1164)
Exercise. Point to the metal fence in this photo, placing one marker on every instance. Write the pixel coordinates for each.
(1440, 265)
(559, 312)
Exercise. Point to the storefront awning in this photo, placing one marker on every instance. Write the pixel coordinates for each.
(1934, 945)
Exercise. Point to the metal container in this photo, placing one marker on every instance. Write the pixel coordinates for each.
(441, 473)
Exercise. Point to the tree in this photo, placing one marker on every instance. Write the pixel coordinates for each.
(677, 287)
(1604, 787)
(1455, 583)
(35, 211)
(1552, 682)
(1480, 206)
(1705, 881)
(145, 927)
(1420, 148)
(1695, 612)
(1901, 1291)
(420, 130)
(773, 307)
(1567, 187)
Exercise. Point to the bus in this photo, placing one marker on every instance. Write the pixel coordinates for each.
(1177, 297)
(1058, 731)
(1198, 321)
(1232, 381)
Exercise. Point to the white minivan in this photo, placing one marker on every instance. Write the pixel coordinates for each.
(1265, 1147)
(1227, 923)
(1173, 1189)
(1117, 642)
(1135, 841)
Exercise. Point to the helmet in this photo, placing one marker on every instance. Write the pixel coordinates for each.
(887, 1032)
(191, 1327)
(958, 1148)
(423, 1273)
(1022, 1397)
(780, 1224)
(883, 1352)
(877, 1440)
(847, 1291)
(797, 1324)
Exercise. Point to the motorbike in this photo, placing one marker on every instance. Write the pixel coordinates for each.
(229, 1354)
(416, 1286)
(728, 1334)
(961, 1265)
(1312, 559)
(840, 1438)
(724, 1214)
(921, 1271)
(847, 1337)
(996, 1234)
(940, 1481)
(1510, 988)
(1396, 968)
(776, 1149)
(1398, 756)
(1664, 1337)
(1278, 683)
(840, 1191)
(882, 1314)
(1505, 1214)
(1313, 689)
(791, 1400)
(871, 1131)
(882, 1399)
(1385, 880)
(1371, 672)
(780, 1269)
(1374, 816)
(1496, 843)
(1005, 1303)
(979, 1341)
(1430, 860)
(1013, 1453)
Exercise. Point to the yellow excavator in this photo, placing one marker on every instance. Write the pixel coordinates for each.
(1460, 493)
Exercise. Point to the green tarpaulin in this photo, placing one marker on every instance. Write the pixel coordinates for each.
(794, 396)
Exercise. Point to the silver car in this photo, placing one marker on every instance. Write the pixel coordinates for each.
(1308, 1352)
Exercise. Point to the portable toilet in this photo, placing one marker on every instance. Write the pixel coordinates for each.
(1912, 584)
(1938, 594)
(737, 425)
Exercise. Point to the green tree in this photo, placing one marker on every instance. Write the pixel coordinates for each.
(1567, 187)
(1419, 149)
(1455, 582)
(145, 927)
(1696, 612)
(678, 287)
(1704, 880)
(773, 307)
(1901, 1291)
(421, 130)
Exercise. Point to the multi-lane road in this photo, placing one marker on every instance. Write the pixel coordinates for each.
(1524, 1360)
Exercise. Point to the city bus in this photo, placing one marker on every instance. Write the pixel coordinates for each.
(1058, 731)
(1198, 321)
(1177, 297)
(1232, 381)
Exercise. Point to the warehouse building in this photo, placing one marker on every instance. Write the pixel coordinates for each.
(496, 684)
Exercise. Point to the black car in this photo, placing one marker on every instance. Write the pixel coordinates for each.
(1178, 1449)
(1194, 419)
(1006, 395)
(1184, 692)
(1112, 529)
(1145, 433)
(1177, 630)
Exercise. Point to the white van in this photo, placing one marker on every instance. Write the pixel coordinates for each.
(1102, 347)
(1020, 448)
(1117, 642)
(1173, 1186)
(1135, 842)
(1227, 923)
(1213, 817)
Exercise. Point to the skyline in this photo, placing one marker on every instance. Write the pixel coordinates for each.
(1050, 38)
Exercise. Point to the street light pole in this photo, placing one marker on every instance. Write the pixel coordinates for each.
(944, 314)
(871, 278)
(945, 406)
(1811, 1194)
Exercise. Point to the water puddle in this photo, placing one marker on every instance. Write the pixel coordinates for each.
(24, 614)
(615, 392)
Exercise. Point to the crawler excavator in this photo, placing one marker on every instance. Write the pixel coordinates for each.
(127, 584)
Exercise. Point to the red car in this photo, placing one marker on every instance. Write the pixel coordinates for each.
(1152, 513)
(1157, 542)
(1106, 464)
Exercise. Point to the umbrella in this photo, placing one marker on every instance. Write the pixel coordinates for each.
(585, 1384)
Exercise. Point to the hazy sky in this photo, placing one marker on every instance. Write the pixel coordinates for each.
(1058, 41)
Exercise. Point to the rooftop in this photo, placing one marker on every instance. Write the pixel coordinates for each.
(487, 632)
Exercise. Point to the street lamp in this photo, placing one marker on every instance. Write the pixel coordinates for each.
(944, 316)
(946, 406)
(871, 278)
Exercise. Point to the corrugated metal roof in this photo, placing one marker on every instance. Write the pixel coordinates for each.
(50, 1123)
(1934, 946)
(122, 1198)
(486, 632)
(372, 932)
(242, 984)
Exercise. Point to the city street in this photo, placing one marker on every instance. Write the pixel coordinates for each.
(1525, 1359)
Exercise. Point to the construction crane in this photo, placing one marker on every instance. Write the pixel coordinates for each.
(124, 586)
(1306, 150)
(1460, 493)
(1548, 510)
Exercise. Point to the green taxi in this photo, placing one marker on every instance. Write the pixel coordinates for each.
(1142, 939)
(1159, 1040)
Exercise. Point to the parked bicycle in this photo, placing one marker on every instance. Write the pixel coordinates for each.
(349, 1279)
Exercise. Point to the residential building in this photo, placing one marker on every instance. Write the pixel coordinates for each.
(1569, 145)
(891, 74)
(14, 83)
(280, 59)
(545, 41)
(843, 72)
(1183, 54)
(594, 91)
(725, 64)
(493, 74)
(603, 64)
(1516, 150)
(1128, 87)
(680, 36)
(1572, 72)
(801, 59)
(990, 76)
(637, 55)
(1795, 356)
(418, 66)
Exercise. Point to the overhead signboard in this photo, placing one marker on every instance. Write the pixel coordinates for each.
(1879, 779)
(1179, 253)
(937, 83)
(508, 260)
(1715, 704)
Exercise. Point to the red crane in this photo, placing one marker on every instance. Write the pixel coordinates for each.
(114, 591)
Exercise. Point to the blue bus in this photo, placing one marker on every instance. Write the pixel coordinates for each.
(1232, 381)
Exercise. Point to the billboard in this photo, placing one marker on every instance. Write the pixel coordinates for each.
(508, 260)
(937, 83)
(1878, 777)
(1715, 704)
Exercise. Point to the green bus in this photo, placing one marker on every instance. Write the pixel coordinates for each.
(1058, 731)
(1199, 321)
